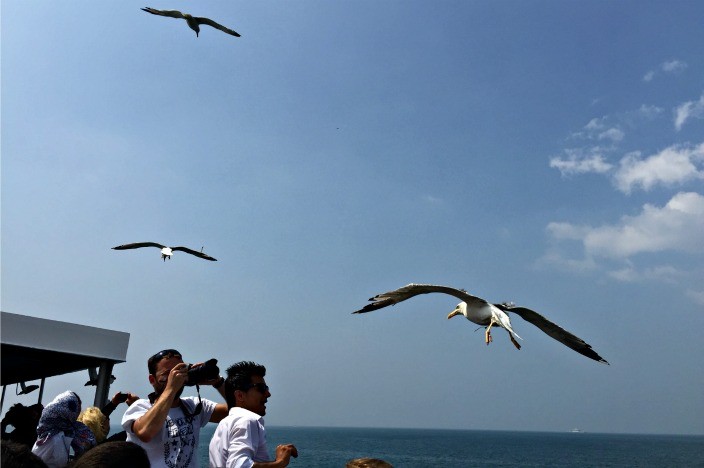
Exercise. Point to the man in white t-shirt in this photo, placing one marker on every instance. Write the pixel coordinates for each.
(166, 425)
(240, 439)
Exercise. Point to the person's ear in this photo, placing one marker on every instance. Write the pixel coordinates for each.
(152, 379)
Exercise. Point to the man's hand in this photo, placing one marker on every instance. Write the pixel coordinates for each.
(285, 452)
(131, 398)
(216, 382)
(118, 398)
(121, 397)
(177, 378)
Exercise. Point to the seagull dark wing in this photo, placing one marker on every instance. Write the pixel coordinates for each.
(401, 294)
(137, 245)
(219, 26)
(194, 252)
(554, 330)
(170, 13)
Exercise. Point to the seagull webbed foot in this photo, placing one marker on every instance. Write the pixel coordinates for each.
(487, 336)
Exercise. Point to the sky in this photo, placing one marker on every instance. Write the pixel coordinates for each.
(548, 153)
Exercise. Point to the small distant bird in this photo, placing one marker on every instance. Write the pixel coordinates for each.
(477, 310)
(194, 22)
(165, 251)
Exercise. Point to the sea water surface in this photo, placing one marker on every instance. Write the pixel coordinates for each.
(333, 447)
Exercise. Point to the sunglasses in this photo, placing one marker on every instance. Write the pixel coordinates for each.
(161, 355)
(261, 387)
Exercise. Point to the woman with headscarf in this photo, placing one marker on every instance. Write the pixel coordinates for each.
(59, 433)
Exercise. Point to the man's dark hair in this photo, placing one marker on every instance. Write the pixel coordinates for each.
(114, 455)
(239, 377)
(16, 455)
(24, 419)
(154, 360)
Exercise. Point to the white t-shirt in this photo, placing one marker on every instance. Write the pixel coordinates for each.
(176, 444)
(239, 440)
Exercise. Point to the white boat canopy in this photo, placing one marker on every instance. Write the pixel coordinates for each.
(36, 348)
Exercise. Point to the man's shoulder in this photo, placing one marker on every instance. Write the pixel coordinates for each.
(142, 404)
(244, 414)
(239, 418)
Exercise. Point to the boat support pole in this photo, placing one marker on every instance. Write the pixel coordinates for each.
(41, 390)
(103, 387)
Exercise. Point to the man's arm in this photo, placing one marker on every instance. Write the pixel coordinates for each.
(149, 425)
(221, 409)
(219, 413)
(283, 457)
(118, 398)
(246, 443)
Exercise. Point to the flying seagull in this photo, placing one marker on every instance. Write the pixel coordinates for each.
(481, 312)
(165, 251)
(194, 22)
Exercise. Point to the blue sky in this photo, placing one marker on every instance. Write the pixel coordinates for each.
(547, 153)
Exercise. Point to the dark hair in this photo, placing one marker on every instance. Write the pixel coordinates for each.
(24, 419)
(16, 455)
(368, 463)
(154, 360)
(239, 377)
(114, 455)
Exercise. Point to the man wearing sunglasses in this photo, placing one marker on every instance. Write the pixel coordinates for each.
(240, 439)
(166, 425)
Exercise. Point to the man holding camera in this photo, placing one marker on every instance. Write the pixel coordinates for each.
(166, 425)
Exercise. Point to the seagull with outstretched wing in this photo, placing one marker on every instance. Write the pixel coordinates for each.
(194, 22)
(166, 252)
(485, 314)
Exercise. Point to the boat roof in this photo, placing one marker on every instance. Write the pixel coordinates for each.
(36, 348)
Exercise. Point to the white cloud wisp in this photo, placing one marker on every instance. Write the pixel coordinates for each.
(673, 165)
(688, 110)
(678, 226)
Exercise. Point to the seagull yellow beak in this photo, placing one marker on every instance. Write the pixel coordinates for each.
(454, 312)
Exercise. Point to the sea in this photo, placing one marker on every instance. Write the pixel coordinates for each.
(416, 448)
(326, 447)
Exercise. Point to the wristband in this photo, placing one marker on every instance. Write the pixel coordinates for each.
(220, 383)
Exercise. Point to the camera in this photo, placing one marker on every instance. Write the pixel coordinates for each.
(199, 373)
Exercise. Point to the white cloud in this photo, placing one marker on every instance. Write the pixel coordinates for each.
(678, 226)
(596, 129)
(696, 296)
(432, 199)
(629, 274)
(579, 163)
(688, 110)
(595, 124)
(555, 260)
(567, 231)
(673, 66)
(649, 112)
(673, 165)
(669, 66)
(613, 134)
